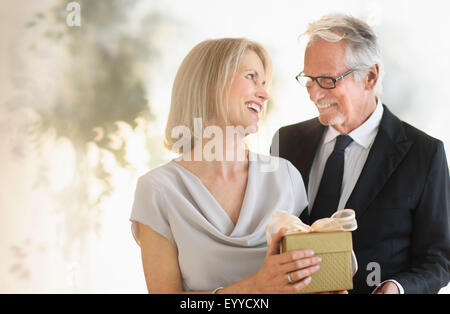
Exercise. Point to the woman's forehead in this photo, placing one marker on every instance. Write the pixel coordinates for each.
(251, 61)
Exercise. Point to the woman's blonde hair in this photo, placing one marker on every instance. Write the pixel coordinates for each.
(201, 87)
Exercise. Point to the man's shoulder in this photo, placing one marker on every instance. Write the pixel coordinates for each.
(423, 144)
(418, 137)
(288, 140)
(300, 128)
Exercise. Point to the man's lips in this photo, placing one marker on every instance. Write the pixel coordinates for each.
(325, 106)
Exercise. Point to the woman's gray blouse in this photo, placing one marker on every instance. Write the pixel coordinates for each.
(212, 251)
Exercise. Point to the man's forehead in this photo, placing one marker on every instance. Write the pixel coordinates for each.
(324, 58)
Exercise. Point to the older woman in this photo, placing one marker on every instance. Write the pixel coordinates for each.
(200, 219)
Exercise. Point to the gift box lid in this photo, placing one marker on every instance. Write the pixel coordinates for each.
(320, 242)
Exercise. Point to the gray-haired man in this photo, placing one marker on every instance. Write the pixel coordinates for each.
(359, 155)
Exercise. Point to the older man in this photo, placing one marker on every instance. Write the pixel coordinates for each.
(359, 155)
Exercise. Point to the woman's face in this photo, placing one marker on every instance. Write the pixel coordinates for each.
(247, 93)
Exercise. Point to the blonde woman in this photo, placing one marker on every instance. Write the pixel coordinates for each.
(200, 219)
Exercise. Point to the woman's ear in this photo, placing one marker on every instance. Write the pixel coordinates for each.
(371, 78)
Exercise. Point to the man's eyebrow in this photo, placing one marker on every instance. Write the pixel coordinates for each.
(328, 74)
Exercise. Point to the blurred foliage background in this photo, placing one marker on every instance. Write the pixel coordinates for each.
(98, 101)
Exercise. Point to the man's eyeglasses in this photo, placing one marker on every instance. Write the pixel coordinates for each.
(326, 82)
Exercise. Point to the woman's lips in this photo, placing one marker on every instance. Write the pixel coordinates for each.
(254, 106)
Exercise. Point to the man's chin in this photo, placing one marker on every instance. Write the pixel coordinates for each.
(336, 120)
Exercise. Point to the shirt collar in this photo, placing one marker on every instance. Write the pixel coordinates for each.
(365, 134)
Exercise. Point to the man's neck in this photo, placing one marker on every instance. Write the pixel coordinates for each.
(349, 126)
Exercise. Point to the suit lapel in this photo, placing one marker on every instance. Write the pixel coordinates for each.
(307, 149)
(388, 150)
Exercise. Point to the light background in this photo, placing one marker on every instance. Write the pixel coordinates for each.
(51, 238)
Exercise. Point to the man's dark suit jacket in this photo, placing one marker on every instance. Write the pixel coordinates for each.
(401, 200)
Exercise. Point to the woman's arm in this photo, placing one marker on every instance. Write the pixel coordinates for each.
(162, 273)
(160, 262)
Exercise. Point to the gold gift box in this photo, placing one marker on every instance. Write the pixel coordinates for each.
(335, 249)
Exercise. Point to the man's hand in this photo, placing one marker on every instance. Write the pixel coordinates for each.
(387, 288)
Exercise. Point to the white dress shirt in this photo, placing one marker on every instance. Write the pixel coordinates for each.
(355, 157)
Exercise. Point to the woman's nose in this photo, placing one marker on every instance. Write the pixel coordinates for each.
(262, 94)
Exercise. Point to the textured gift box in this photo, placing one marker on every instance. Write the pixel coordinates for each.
(335, 249)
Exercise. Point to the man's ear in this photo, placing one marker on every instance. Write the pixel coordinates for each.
(372, 76)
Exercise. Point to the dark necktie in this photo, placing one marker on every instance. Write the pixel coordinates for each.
(329, 192)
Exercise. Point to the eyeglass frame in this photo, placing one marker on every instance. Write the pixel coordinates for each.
(315, 78)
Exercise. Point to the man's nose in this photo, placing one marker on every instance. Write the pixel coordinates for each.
(315, 91)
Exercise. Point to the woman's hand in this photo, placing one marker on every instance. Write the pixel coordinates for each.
(273, 275)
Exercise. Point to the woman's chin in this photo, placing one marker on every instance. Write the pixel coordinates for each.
(251, 129)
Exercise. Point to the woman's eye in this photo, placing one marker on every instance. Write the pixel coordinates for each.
(250, 76)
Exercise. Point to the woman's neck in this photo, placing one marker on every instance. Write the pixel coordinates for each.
(224, 159)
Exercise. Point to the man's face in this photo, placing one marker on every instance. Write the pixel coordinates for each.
(349, 104)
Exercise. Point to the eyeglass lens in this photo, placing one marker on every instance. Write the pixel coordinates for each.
(324, 82)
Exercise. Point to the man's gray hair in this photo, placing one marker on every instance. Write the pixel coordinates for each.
(362, 52)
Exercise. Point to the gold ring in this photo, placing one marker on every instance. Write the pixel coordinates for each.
(289, 278)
